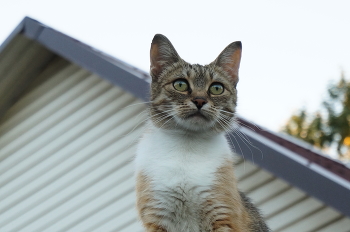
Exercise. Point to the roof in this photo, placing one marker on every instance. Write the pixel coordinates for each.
(297, 163)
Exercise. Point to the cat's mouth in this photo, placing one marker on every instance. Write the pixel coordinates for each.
(197, 120)
(198, 115)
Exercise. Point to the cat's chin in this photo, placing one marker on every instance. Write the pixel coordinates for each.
(196, 122)
(197, 117)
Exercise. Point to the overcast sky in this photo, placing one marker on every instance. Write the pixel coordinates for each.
(290, 51)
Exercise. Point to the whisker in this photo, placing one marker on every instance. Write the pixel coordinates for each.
(247, 126)
(239, 146)
(148, 118)
(162, 118)
(245, 140)
(171, 117)
(227, 125)
(137, 104)
(245, 137)
(257, 127)
(232, 113)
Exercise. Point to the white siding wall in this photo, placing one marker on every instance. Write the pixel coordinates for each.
(20, 61)
(65, 163)
(286, 208)
(66, 152)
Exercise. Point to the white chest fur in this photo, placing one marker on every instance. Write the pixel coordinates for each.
(181, 168)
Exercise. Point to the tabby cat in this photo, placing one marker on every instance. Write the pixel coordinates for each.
(184, 165)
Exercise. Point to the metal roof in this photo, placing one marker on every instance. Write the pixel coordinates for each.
(298, 164)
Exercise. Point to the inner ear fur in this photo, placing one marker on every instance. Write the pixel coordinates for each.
(230, 59)
(162, 55)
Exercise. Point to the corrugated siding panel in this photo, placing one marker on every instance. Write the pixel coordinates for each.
(65, 162)
(284, 207)
(341, 225)
(66, 152)
(19, 63)
(313, 221)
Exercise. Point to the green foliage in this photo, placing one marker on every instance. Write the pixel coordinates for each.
(311, 131)
(330, 128)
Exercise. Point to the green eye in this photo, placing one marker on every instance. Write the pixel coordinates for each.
(180, 85)
(216, 89)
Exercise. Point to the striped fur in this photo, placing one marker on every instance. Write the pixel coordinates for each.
(184, 165)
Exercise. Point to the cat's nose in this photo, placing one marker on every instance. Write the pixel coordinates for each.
(199, 102)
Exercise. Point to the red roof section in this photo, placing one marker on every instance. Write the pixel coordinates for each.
(329, 164)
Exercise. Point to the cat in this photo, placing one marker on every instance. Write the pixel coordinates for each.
(184, 165)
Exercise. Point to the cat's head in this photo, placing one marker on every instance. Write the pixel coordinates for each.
(193, 97)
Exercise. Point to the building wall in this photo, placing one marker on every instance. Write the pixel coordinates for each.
(66, 162)
(66, 152)
(20, 62)
(286, 208)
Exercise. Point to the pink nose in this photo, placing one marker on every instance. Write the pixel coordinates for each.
(199, 102)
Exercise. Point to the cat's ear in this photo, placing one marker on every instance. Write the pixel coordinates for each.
(162, 54)
(230, 59)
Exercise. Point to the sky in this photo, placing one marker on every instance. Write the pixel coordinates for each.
(291, 50)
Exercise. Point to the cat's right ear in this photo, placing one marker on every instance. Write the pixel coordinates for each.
(230, 59)
(162, 54)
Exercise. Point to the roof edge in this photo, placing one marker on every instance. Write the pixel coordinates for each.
(15, 32)
(312, 177)
(114, 70)
(307, 151)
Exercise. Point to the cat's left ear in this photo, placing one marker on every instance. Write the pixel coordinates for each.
(230, 59)
(163, 54)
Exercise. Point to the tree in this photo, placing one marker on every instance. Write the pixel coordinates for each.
(332, 127)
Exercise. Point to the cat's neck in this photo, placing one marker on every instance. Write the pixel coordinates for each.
(161, 146)
(183, 132)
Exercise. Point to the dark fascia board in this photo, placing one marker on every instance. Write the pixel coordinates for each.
(13, 34)
(119, 73)
(254, 145)
(263, 150)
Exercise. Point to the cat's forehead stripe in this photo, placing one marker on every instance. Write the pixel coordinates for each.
(198, 74)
